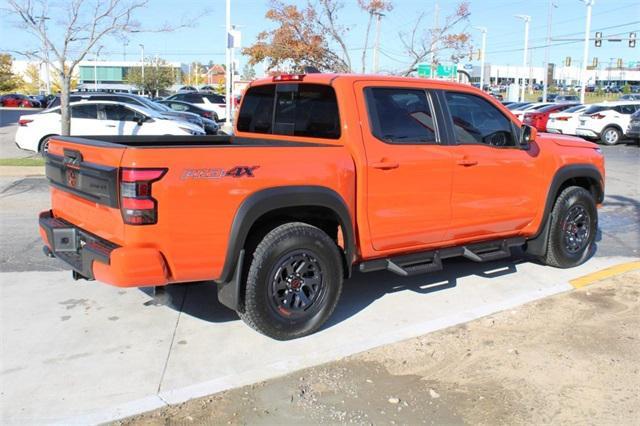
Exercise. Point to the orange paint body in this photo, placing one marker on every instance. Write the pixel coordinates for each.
(428, 201)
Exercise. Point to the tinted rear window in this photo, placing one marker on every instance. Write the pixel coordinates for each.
(309, 110)
(596, 108)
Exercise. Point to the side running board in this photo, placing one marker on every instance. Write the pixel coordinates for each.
(431, 261)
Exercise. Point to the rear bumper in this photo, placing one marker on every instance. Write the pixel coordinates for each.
(92, 257)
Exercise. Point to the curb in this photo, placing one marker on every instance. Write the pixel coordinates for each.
(604, 273)
(21, 171)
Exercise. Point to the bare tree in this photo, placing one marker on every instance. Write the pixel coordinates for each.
(83, 24)
(420, 44)
(373, 8)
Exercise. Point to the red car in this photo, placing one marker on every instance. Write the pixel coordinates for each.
(16, 100)
(539, 118)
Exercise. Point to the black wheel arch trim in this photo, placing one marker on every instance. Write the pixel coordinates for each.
(537, 245)
(267, 200)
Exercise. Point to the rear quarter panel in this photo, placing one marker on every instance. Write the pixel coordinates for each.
(197, 205)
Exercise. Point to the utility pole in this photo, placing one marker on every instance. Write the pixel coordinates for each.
(434, 37)
(157, 75)
(43, 22)
(124, 49)
(527, 20)
(142, 65)
(545, 85)
(376, 44)
(228, 76)
(585, 55)
(95, 69)
(483, 49)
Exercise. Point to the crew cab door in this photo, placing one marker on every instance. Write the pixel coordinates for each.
(496, 184)
(409, 170)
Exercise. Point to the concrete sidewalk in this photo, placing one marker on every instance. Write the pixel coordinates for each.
(84, 352)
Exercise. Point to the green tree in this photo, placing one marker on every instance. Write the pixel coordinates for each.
(248, 73)
(31, 82)
(158, 76)
(9, 82)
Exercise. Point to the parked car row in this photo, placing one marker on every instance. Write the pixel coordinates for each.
(608, 122)
(107, 118)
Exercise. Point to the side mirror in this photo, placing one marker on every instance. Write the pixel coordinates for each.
(141, 120)
(527, 136)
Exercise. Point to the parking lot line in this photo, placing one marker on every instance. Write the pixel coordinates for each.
(604, 273)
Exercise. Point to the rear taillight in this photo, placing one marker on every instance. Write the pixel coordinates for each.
(137, 205)
(206, 114)
(24, 122)
(562, 118)
(597, 116)
(289, 77)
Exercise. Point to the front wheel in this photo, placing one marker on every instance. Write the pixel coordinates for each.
(294, 282)
(610, 136)
(574, 223)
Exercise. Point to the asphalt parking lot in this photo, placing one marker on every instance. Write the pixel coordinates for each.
(83, 352)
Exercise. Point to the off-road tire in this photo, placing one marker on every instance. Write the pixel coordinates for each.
(259, 311)
(558, 254)
(607, 138)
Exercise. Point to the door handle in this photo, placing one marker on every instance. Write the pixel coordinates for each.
(385, 165)
(466, 162)
(109, 125)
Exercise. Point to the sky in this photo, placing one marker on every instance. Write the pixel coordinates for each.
(505, 36)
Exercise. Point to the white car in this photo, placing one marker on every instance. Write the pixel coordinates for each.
(98, 118)
(607, 121)
(205, 100)
(565, 122)
(519, 112)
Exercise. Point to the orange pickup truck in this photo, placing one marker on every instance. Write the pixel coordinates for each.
(324, 173)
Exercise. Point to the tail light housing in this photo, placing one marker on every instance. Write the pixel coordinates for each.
(23, 122)
(207, 114)
(562, 118)
(137, 205)
(598, 116)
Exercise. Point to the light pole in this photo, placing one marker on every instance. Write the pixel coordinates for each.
(142, 65)
(95, 69)
(483, 30)
(227, 79)
(376, 44)
(585, 56)
(43, 23)
(526, 19)
(545, 84)
(124, 49)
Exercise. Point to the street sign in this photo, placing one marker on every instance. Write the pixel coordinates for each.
(447, 71)
(424, 70)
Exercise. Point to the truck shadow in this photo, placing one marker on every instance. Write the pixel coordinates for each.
(200, 300)
(364, 289)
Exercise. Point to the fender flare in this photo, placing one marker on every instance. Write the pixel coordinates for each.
(537, 245)
(262, 202)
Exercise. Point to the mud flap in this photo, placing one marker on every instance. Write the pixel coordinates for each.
(229, 292)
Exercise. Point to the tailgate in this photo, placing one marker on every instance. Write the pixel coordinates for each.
(83, 175)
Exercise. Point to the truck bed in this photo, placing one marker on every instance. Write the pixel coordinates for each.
(187, 141)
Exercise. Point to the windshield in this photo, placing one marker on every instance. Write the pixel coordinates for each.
(596, 108)
(150, 104)
(576, 108)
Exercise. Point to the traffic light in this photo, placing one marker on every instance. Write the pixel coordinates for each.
(632, 39)
(619, 63)
(567, 61)
(598, 38)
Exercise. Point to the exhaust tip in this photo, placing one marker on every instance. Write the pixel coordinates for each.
(47, 251)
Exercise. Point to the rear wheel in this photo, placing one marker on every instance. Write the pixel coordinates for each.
(44, 144)
(294, 282)
(610, 136)
(573, 228)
